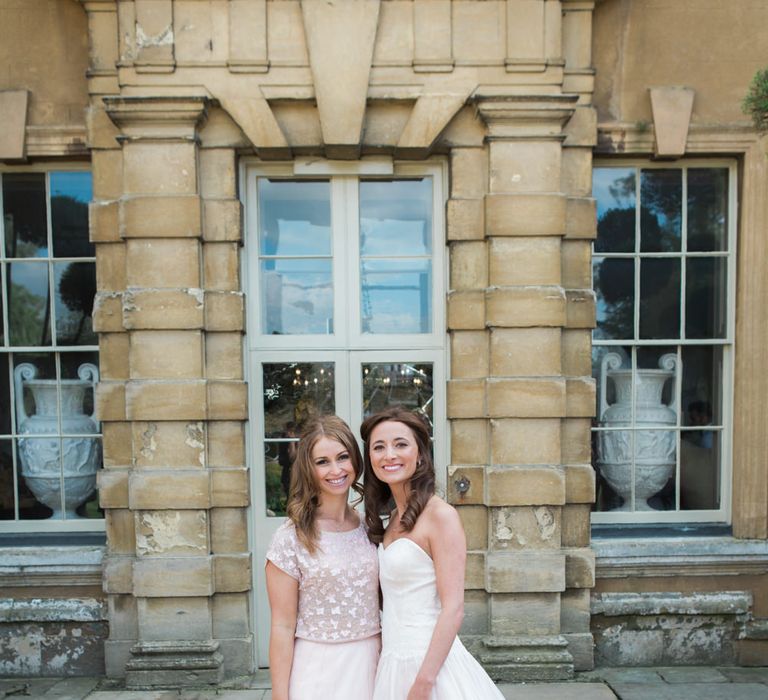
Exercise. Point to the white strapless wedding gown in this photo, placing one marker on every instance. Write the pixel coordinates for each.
(411, 607)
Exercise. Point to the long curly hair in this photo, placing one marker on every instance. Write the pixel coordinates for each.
(304, 496)
(377, 494)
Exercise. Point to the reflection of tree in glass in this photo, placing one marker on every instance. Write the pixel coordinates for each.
(25, 311)
(69, 219)
(294, 392)
(77, 289)
(707, 190)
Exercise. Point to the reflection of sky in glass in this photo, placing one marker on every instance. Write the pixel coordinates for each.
(297, 238)
(606, 191)
(396, 296)
(77, 185)
(27, 294)
(396, 216)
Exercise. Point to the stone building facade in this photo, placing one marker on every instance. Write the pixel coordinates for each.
(183, 111)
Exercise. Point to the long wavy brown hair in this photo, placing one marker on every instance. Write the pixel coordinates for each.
(377, 494)
(304, 496)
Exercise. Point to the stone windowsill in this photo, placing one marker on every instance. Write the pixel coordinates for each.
(51, 566)
(618, 557)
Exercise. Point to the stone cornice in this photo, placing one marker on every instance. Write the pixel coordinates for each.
(158, 117)
(619, 138)
(516, 116)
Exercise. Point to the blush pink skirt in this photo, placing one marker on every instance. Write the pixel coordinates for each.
(337, 671)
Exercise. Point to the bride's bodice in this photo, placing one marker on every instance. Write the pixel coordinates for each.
(411, 603)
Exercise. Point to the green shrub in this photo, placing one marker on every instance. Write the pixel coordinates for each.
(756, 101)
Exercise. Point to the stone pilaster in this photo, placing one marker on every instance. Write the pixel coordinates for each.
(521, 397)
(172, 328)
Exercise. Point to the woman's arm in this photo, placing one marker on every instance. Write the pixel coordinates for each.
(283, 592)
(448, 547)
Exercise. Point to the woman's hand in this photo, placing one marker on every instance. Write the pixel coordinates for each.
(420, 690)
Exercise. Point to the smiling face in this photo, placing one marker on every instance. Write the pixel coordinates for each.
(334, 469)
(393, 452)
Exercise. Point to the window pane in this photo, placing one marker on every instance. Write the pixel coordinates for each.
(707, 209)
(297, 296)
(396, 216)
(293, 393)
(75, 285)
(702, 386)
(396, 296)
(35, 388)
(24, 214)
(79, 373)
(28, 304)
(705, 298)
(659, 298)
(655, 386)
(5, 395)
(614, 283)
(700, 469)
(39, 469)
(614, 190)
(661, 193)
(70, 194)
(294, 217)
(7, 490)
(609, 365)
(408, 384)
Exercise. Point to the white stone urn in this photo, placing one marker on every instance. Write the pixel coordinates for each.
(654, 450)
(48, 460)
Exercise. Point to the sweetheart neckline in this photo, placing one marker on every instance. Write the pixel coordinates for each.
(413, 542)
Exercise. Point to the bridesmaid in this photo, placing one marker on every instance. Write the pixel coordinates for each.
(322, 576)
(422, 555)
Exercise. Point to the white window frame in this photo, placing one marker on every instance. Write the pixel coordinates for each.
(724, 513)
(47, 525)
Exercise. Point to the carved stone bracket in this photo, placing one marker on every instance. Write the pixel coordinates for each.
(525, 116)
(157, 117)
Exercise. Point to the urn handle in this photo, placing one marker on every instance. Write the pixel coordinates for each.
(24, 372)
(610, 361)
(90, 373)
(670, 363)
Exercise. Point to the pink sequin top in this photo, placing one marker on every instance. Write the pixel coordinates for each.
(338, 585)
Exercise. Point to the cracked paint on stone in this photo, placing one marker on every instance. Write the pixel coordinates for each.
(148, 442)
(163, 531)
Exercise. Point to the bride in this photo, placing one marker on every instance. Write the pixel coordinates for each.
(422, 554)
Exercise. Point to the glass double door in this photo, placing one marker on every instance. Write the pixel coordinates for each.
(289, 387)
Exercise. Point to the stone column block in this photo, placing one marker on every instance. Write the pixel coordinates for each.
(107, 178)
(113, 355)
(465, 219)
(161, 217)
(576, 257)
(581, 218)
(121, 533)
(221, 267)
(159, 168)
(580, 308)
(111, 262)
(522, 307)
(577, 353)
(169, 490)
(469, 173)
(166, 263)
(166, 400)
(166, 354)
(224, 355)
(524, 485)
(469, 441)
(475, 613)
(466, 310)
(113, 488)
(524, 261)
(232, 573)
(231, 615)
(576, 440)
(229, 530)
(224, 311)
(108, 312)
(230, 488)
(525, 352)
(123, 617)
(158, 309)
(117, 574)
(222, 220)
(226, 443)
(525, 441)
(519, 528)
(171, 533)
(525, 572)
(469, 265)
(576, 524)
(110, 401)
(172, 577)
(579, 483)
(116, 442)
(576, 175)
(466, 398)
(168, 444)
(466, 484)
(524, 167)
(218, 174)
(469, 354)
(525, 214)
(474, 575)
(526, 397)
(524, 614)
(475, 522)
(174, 618)
(574, 610)
(103, 222)
(579, 567)
(227, 400)
(581, 396)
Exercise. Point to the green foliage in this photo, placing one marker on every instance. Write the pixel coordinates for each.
(756, 101)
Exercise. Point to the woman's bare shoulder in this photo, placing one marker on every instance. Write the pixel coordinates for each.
(441, 514)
